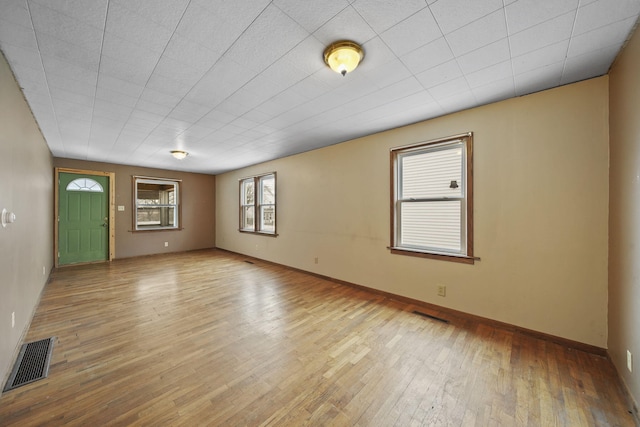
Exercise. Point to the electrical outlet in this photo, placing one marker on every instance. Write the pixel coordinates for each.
(13, 319)
(315, 260)
(442, 291)
(166, 244)
(629, 361)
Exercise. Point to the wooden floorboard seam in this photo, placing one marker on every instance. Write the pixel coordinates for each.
(204, 338)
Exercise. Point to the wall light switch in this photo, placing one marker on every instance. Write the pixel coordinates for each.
(120, 208)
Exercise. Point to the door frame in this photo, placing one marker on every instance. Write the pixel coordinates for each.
(112, 209)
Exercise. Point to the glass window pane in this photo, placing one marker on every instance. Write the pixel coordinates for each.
(153, 217)
(247, 192)
(268, 190)
(247, 218)
(148, 217)
(268, 218)
(167, 216)
(432, 174)
(85, 184)
(431, 225)
(156, 194)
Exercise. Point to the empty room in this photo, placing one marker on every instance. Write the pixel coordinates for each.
(338, 212)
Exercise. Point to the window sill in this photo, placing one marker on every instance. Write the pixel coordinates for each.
(156, 229)
(260, 233)
(463, 259)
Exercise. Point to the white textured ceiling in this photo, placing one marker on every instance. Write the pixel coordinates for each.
(237, 82)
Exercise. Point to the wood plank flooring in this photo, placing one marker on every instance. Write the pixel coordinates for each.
(205, 338)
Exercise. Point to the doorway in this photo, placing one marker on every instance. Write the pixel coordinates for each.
(84, 222)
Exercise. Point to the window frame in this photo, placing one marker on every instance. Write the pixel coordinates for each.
(177, 205)
(466, 223)
(257, 204)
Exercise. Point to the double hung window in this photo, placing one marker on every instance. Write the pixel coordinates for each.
(157, 204)
(258, 204)
(432, 199)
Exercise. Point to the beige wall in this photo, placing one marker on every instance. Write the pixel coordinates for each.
(624, 214)
(198, 210)
(26, 246)
(541, 201)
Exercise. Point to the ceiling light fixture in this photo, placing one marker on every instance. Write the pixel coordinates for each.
(178, 154)
(344, 56)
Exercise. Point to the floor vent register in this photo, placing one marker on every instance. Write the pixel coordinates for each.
(32, 363)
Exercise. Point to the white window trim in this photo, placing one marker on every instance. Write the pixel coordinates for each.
(177, 205)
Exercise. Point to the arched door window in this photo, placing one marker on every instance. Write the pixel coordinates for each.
(85, 184)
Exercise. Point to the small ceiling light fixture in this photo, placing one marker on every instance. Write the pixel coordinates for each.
(343, 56)
(179, 154)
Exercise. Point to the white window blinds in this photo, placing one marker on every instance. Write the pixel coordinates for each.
(429, 174)
(430, 198)
(434, 226)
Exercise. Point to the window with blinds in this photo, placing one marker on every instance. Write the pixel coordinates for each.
(432, 199)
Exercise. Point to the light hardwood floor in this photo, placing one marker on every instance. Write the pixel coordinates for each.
(205, 338)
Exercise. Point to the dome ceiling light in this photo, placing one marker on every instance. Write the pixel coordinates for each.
(343, 56)
(179, 154)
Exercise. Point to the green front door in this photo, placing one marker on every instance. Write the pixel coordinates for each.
(83, 218)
